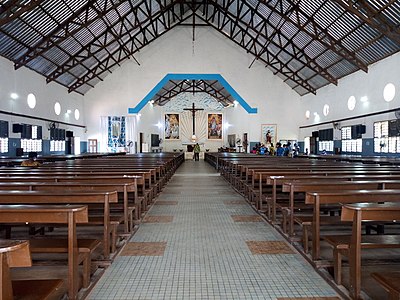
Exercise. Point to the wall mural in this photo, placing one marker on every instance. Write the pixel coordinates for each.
(185, 100)
(171, 125)
(214, 122)
(116, 132)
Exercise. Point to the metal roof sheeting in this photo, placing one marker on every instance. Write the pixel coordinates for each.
(308, 44)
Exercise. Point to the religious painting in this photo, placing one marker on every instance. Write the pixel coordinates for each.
(268, 134)
(171, 127)
(214, 127)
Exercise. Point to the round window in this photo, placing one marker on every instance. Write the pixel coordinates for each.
(57, 108)
(77, 114)
(31, 99)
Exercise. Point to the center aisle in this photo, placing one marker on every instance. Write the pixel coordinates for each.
(201, 240)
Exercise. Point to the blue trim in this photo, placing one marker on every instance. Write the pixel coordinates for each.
(169, 77)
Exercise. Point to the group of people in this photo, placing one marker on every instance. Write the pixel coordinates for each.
(281, 150)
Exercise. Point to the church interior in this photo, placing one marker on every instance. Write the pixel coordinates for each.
(199, 149)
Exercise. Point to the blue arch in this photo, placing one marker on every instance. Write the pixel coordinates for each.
(169, 77)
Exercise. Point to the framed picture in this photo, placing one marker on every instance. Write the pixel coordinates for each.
(171, 127)
(268, 134)
(214, 126)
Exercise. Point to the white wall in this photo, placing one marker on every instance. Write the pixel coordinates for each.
(174, 52)
(24, 81)
(359, 84)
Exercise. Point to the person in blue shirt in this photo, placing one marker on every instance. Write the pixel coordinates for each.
(262, 149)
(279, 149)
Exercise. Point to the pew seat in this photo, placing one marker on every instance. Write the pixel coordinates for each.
(86, 248)
(390, 281)
(341, 246)
(36, 289)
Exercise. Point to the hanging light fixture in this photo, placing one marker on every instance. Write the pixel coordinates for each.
(194, 138)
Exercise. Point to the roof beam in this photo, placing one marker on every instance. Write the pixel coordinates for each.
(92, 48)
(137, 42)
(318, 33)
(298, 53)
(14, 9)
(71, 26)
(253, 46)
(372, 17)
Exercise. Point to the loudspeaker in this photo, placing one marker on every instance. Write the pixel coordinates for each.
(69, 134)
(315, 134)
(357, 131)
(17, 128)
(3, 129)
(39, 133)
(19, 151)
(52, 133)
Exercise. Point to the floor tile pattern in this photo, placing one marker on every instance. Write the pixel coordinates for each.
(159, 202)
(235, 202)
(207, 256)
(144, 249)
(254, 218)
(269, 247)
(309, 298)
(158, 219)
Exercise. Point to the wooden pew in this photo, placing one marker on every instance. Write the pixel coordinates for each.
(304, 185)
(390, 281)
(357, 213)
(123, 188)
(52, 197)
(317, 199)
(277, 181)
(52, 214)
(15, 254)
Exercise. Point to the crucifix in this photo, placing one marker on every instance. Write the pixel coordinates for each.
(193, 110)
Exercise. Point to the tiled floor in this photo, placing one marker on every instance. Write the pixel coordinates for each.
(204, 254)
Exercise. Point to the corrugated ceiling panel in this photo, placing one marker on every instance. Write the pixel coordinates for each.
(342, 68)
(318, 81)
(57, 56)
(9, 47)
(78, 71)
(328, 13)
(83, 89)
(328, 59)
(41, 65)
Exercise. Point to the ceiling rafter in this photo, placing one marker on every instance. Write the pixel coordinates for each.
(193, 86)
(318, 33)
(253, 46)
(77, 44)
(11, 10)
(297, 51)
(138, 41)
(95, 46)
(372, 17)
(62, 31)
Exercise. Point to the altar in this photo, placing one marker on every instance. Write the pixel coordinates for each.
(190, 155)
(190, 145)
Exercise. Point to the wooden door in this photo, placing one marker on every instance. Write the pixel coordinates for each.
(92, 145)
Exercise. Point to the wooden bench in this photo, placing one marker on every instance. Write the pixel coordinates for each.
(57, 197)
(357, 213)
(86, 248)
(318, 199)
(390, 282)
(15, 254)
(53, 214)
(303, 186)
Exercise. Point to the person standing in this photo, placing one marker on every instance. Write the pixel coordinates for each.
(196, 151)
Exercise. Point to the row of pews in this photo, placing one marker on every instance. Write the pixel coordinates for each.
(64, 222)
(341, 214)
